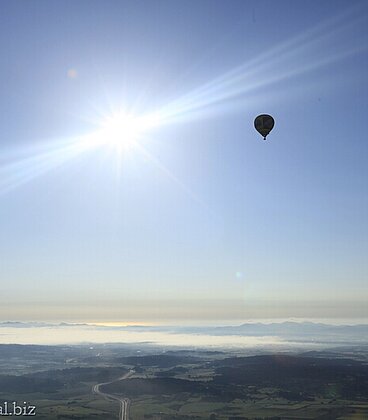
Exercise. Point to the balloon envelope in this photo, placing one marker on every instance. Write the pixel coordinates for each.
(264, 124)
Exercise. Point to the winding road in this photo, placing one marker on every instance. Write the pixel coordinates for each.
(124, 402)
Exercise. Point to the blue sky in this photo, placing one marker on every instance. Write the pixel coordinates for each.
(201, 219)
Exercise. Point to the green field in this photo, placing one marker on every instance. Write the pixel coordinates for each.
(186, 386)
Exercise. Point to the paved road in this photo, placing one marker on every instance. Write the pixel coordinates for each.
(124, 402)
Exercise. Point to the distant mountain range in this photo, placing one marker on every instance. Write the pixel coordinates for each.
(282, 329)
(287, 329)
(32, 324)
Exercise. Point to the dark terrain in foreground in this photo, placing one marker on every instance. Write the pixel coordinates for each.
(187, 384)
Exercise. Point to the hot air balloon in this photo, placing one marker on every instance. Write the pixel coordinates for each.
(264, 124)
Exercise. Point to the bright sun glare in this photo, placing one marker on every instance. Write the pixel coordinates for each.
(122, 130)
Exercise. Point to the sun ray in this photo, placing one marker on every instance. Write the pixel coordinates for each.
(269, 67)
(170, 174)
(30, 164)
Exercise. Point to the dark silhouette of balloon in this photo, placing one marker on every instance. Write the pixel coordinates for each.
(264, 124)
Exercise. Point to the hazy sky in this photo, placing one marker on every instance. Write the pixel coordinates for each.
(199, 219)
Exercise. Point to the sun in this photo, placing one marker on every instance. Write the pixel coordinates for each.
(121, 130)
